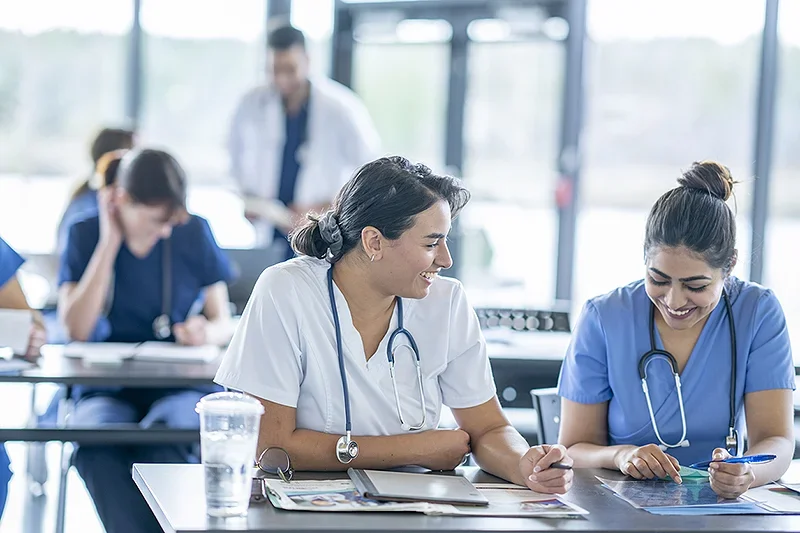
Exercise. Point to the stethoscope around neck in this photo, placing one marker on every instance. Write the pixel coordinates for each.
(162, 325)
(732, 439)
(346, 447)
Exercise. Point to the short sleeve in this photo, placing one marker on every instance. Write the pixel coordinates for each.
(264, 357)
(467, 380)
(584, 373)
(769, 363)
(10, 261)
(81, 241)
(215, 264)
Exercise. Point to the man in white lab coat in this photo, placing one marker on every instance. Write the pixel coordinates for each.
(295, 141)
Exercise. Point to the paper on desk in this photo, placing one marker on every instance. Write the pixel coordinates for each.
(698, 498)
(341, 495)
(272, 210)
(15, 329)
(169, 351)
(100, 352)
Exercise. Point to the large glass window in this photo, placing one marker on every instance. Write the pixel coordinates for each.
(667, 83)
(199, 60)
(62, 67)
(511, 131)
(783, 225)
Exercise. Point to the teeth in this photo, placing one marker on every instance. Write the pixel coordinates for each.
(428, 275)
(679, 313)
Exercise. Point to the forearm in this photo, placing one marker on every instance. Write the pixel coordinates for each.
(783, 448)
(85, 302)
(589, 455)
(499, 451)
(312, 450)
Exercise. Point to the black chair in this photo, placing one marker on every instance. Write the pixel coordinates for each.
(547, 404)
(248, 264)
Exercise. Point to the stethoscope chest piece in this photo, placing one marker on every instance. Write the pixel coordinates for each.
(346, 449)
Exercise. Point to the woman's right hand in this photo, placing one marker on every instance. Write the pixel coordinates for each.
(648, 462)
(110, 227)
(444, 449)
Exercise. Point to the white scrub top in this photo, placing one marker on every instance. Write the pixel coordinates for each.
(284, 351)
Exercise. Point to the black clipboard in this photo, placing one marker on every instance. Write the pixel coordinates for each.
(384, 485)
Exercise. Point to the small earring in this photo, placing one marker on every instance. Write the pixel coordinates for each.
(372, 259)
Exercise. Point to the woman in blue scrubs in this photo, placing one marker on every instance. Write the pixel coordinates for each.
(113, 288)
(12, 297)
(83, 202)
(685, 304)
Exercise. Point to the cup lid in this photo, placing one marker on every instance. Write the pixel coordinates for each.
(224, 403)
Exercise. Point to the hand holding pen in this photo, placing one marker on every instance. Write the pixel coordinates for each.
(547, 469)
(731, 476)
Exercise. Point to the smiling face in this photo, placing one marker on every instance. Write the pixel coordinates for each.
(409, 265)
(683, 287)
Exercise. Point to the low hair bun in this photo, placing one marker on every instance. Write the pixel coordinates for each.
(710, 177)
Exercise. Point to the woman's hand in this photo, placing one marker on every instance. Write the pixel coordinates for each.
(37, 337)
(730, 480)
(110, 227)
(539, 477)
(648, 462)
(192, 332)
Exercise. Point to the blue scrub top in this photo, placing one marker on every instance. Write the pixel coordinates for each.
(82, 206)
(197, 262)
(10, 261)
(612, 334)
(296, 128)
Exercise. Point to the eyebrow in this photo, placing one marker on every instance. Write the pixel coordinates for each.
(435, 236)
(690, 278)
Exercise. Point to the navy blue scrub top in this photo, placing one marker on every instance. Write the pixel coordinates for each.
(81, 207)
(296, 128)
(197, 262)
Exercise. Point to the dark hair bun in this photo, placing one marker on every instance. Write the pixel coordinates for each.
(710, 177)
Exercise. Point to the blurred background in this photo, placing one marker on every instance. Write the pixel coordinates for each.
(566, 118)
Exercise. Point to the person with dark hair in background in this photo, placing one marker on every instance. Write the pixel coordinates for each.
(362, 324)
(666, 371)
(83, 201)
(295, 141)
(142, 269)
(12, 297)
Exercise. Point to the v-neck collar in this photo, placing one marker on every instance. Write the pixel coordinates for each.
(698, 349)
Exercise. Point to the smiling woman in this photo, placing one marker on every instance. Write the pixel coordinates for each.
(367, 284)
(707, 368)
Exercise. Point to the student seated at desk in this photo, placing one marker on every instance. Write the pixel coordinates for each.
(714, 351)
(83, 202)
(12, 297)
(134, 273)
(316, 341)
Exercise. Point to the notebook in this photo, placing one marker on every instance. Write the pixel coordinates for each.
(415, 487)
(110, 352)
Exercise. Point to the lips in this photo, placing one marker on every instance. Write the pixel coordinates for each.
(682, 314)
(429, 276)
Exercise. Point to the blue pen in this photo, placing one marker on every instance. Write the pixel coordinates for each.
(755, 459)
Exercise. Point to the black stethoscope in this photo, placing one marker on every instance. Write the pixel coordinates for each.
(346, 447)
(732, 439)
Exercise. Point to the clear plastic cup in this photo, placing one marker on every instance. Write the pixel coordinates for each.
(229, 423)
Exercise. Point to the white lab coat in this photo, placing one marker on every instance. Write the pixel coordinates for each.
(340, 137)
(284, 351)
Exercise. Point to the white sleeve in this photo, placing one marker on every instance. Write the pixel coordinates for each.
(467, 381)
(264, 357)
(361, 141)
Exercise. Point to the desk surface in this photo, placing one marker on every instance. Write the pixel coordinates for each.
(175, 493)
(53, 367)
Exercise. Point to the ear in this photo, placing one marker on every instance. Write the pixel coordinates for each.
(372, 242)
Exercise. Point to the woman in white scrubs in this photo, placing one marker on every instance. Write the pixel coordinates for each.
(368, 268)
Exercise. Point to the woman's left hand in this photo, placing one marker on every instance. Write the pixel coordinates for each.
(192, 332)
(37, 337)
(730, 480)
(536, 471)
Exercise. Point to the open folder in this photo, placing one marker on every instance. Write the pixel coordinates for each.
(144, 351)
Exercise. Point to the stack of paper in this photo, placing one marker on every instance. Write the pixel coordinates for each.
(15, 329)
(110, 352)
(341, 495)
